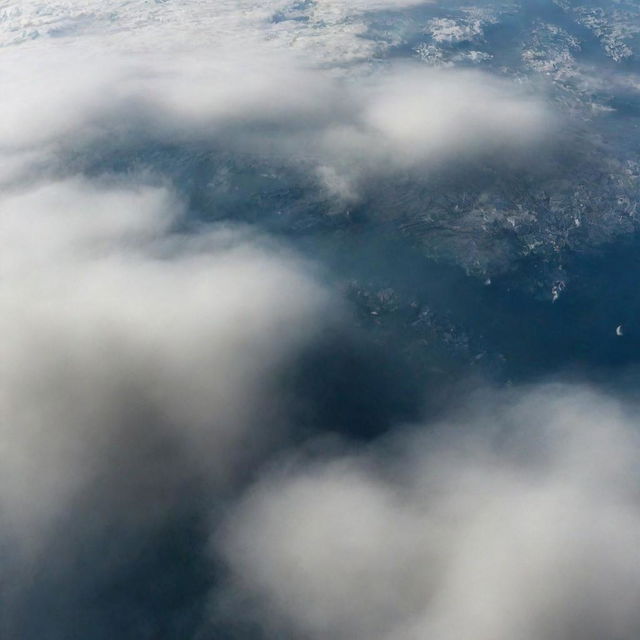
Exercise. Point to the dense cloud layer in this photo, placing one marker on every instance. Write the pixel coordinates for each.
(340, 131)
(140, 365)
(519, 523)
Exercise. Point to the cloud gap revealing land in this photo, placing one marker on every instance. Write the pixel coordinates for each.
(320, 320)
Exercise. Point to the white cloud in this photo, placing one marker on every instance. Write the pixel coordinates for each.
(119, 333)
(418, 119)
(342, 133)
(102, 103)
(330, 33)
(97, 81)
(425, 114)
(520, 523)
